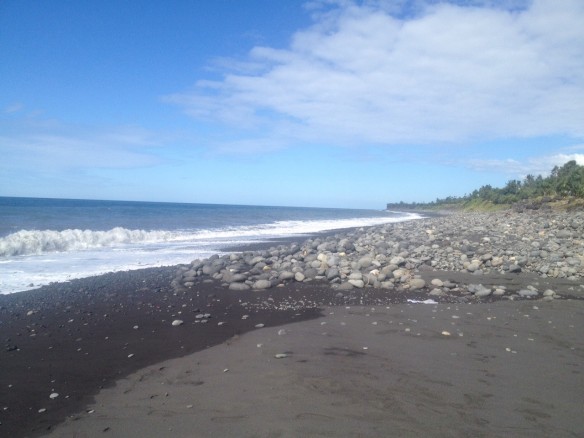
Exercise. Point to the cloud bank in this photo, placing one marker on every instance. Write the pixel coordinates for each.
(532, 166)
(441, 73)
(52, 147)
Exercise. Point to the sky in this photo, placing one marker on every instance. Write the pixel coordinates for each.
(318, 103)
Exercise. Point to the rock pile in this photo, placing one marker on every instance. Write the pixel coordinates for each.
(392, 256)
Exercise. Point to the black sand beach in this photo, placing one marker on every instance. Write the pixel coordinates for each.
(76, 338)
(88, 358)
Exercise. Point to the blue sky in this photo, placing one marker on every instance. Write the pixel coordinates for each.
(307, 103)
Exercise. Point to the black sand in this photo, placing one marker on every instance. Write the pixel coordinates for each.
(78, 336)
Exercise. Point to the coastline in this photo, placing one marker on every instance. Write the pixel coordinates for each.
(60, 330)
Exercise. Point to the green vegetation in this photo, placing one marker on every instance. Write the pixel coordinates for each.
(564, 182)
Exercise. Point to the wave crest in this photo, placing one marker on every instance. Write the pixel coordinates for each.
(25, 242)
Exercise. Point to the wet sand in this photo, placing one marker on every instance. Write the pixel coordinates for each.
(408, 370)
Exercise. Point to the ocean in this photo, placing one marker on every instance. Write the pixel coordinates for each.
(50, 240)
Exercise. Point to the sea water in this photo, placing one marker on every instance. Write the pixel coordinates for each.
(50, 240)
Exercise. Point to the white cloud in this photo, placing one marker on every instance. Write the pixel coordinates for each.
(532, 166)
(49, 146)
(448, 73)
(13, 108)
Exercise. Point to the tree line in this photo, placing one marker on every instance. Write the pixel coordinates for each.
(567, 180)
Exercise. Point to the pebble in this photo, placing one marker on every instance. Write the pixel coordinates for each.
(53, 396)
(177, 322)
(281, 356)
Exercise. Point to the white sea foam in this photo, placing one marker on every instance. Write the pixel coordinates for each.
(26, 242)
(422, 302)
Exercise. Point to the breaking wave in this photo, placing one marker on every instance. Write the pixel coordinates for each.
(26, 242)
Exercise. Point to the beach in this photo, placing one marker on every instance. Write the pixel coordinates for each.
(346, 349)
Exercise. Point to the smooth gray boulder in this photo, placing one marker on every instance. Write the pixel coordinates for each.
(417, 283)
(286, 275)
(262, 284)
(238, 286)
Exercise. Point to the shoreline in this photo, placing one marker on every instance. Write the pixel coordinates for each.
(78, 338)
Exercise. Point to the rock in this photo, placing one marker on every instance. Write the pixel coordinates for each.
(496, 262)
(177, 322)
(286, 275)
(256, 260)
(398, 261)
(417, 283)
(345, 286)
(365, 262)
(262, 284)
(210, 269)
(479, 290)
(357, 283)
(437, 282)
(472, 267)
(389, 268)
(238, 278)
(527, 293)
(238, 286)
(563, 234)
(310, 273)
(400, 273)
(549, 293)
(515, 269)
(332, 273)
(281, 356)
(299, 276)
(346, 244)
